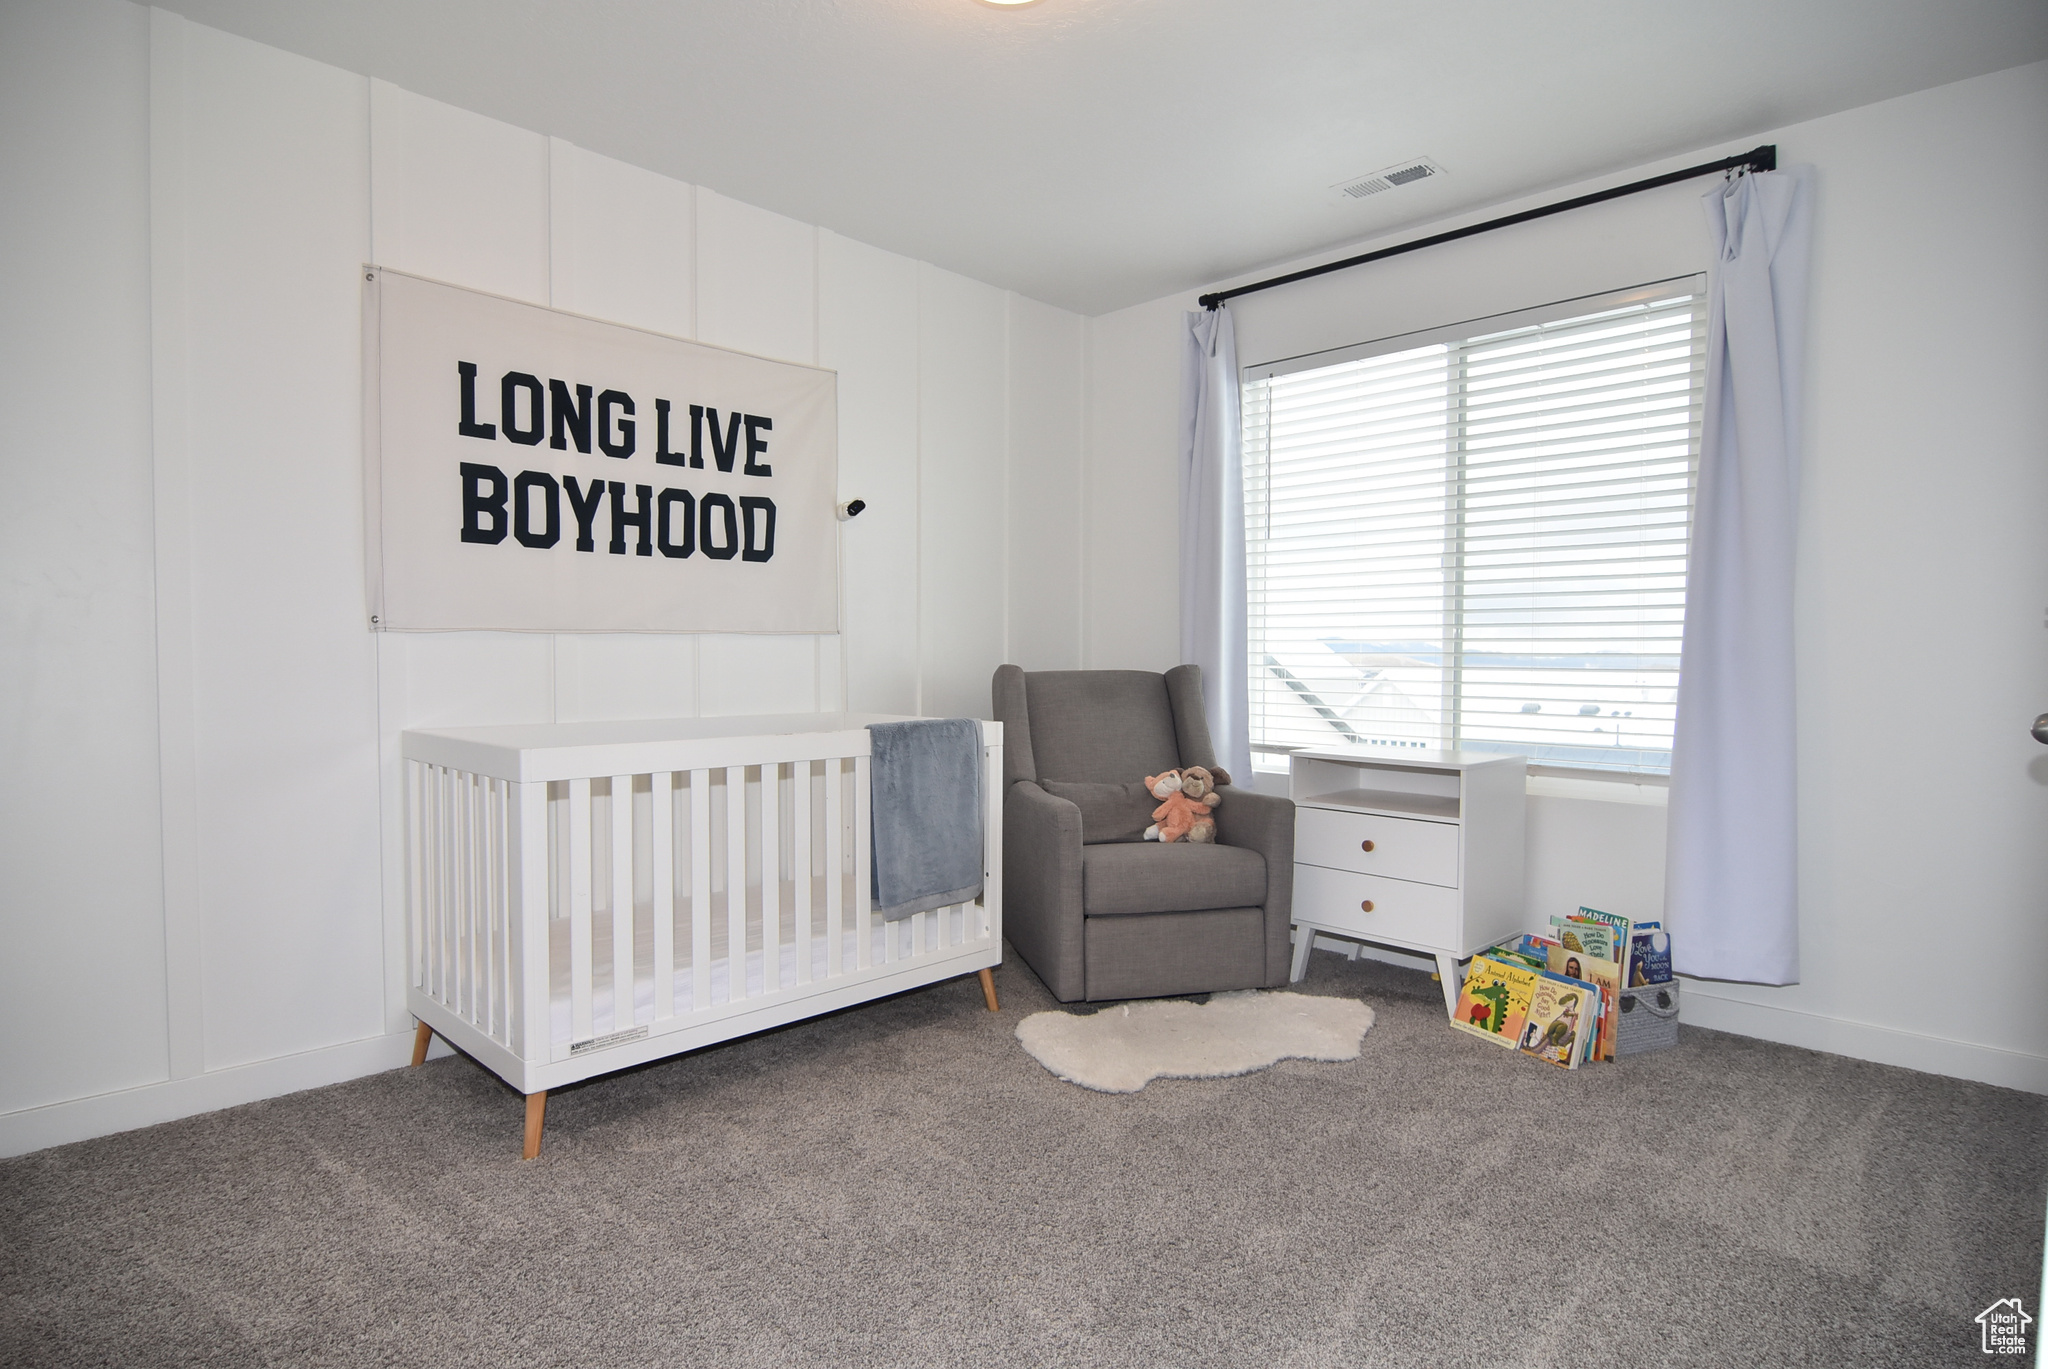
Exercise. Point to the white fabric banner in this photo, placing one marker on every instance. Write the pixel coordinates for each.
(531, 470)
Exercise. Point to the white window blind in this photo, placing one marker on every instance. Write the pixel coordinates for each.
(1476, 538)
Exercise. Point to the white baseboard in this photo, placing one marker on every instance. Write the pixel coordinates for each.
(103, 1114)
(1700, 1007)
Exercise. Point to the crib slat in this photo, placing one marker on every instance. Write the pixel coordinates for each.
(508, 915)
(528, 912)
(415, 868)
(494, 889)
(437, 886)
(700, 890)
(472, 877)
(622, 912)
(800, 865)
(479, 904)
(863, 879)
(458, 902)
(579, 910)
(430, 878)
(457, 869)
(458, 850)
(835, 877)
(558, 855)
(451, 888)
(771, 877)
(472, 899)
(486, 905)
(500, 913)
(480, 811)
(662, 848)
(735, 883)
(444, 789)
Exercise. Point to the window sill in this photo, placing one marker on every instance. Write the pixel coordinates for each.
(1601, 786)
(1544, 782)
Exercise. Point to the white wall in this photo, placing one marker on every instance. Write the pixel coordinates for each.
(1045, 485)
(203, 902)
(1924, 560)
(79, 835)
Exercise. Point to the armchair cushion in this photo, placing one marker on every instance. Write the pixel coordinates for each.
(1109, 812)
(1102, 726)
(1154, 877)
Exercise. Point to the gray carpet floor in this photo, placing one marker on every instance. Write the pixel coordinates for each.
(899, 1184)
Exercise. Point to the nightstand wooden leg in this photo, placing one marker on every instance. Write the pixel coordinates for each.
(1304, 938)
(1447, 970)
(988, 988)
(420, 1039)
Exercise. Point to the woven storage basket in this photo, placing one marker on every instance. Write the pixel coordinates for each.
(1649, 1019)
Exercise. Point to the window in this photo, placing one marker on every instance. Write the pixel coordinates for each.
(1476, 538)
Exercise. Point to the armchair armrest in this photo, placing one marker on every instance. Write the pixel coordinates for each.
(1042, 886)
(1265, 823)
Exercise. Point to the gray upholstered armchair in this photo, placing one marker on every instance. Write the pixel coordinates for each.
(1096, 913)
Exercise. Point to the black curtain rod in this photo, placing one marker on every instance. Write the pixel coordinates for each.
(1763, 158)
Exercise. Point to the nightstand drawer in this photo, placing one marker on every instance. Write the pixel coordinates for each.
(1400, 848)
(1419, 914)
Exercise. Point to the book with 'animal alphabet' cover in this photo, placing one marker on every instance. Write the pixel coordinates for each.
(1495, 1000)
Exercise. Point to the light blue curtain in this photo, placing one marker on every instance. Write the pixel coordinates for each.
(1731, 895)
(1212, 589)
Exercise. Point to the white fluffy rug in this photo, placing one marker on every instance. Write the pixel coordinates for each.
(1122, 1049)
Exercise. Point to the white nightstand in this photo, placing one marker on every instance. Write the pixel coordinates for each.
(1420, 850)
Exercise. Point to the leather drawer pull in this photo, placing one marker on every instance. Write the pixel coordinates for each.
(1365, 906)
(1365, 846)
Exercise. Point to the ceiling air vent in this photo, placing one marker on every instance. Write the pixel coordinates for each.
(1386, 178)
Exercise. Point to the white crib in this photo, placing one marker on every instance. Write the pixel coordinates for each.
(738, 868)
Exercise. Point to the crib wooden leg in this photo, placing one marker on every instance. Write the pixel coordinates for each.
(420, 1039)
(988, 988)
(536, 1113)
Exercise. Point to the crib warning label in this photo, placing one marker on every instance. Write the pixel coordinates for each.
(598, 1043)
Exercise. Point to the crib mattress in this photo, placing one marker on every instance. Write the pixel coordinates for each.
(602, 1019)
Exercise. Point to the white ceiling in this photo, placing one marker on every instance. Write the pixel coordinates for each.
(1097, 153)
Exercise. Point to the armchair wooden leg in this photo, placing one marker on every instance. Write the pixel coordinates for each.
(988, 988)
(536, 1115)
(420, 1039)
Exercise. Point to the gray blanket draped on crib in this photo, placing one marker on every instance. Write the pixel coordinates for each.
(925, 830)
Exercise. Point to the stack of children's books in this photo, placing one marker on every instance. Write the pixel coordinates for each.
(1557, 997)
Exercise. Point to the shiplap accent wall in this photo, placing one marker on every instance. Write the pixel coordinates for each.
(238, 914)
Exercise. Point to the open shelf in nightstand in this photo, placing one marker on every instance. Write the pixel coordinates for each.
(1391, 802)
